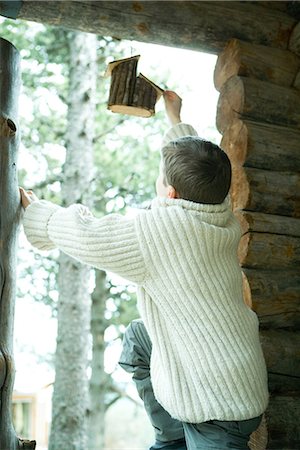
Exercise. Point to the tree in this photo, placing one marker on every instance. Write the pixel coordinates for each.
(99, 379)
(9, 221)
(70, 396)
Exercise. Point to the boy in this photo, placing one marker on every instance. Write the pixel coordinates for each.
(135, 358)
(207, 365)
(169, 433)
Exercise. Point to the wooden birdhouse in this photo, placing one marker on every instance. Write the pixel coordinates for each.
(129, 93)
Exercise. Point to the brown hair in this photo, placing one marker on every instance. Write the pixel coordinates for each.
(197, 169)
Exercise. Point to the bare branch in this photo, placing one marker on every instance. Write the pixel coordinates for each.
(106, 132)
(122, 394)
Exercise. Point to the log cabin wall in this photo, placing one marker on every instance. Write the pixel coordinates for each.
(258, 115)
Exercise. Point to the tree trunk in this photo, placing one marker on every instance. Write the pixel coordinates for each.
(98, 381)
(70, 397)
(9, 224)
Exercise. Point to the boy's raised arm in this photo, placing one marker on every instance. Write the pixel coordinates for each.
(172, 106)
(109, 243)
(179, 129)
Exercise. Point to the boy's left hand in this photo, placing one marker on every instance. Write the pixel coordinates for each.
(27, 197)
(173, 106)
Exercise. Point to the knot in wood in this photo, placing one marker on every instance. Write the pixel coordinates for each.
(25, 444)
(137, 6)
(143, 28)
(7, 127)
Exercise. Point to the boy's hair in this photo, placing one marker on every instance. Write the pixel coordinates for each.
(197, 169)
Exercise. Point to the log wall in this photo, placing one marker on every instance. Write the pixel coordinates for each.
(258, 115)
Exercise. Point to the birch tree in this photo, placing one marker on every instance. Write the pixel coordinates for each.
(70, 397)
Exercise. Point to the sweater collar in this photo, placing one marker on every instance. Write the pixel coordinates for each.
(159, 202)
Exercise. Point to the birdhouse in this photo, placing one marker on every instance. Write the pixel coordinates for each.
(129, 93)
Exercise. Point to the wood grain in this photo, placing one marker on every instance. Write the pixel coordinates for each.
(204, 26)
(259, 101)
(262, 145)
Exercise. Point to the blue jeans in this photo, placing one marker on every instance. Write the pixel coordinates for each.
(171, 434)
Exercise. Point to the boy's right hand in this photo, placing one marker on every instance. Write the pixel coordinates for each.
(173, 106)
(27, 197)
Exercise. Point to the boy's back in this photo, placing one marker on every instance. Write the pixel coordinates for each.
(207, 362)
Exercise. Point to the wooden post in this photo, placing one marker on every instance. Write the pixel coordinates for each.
(9, 223)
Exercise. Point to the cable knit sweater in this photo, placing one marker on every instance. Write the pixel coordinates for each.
(207, 362)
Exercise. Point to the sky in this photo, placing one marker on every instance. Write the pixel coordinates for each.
(37, 337)
(199, 97)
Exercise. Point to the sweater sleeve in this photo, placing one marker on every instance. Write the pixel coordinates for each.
(177, 131)
(109, 243)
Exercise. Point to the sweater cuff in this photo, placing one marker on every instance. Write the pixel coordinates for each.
(179, 130)
(35, 223)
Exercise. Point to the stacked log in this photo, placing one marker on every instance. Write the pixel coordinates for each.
(258, 115)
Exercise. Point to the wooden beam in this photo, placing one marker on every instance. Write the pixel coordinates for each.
(204, 26)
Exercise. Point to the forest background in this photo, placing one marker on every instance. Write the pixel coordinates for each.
(70, 319)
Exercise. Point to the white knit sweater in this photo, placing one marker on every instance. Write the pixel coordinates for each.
(207, 362)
